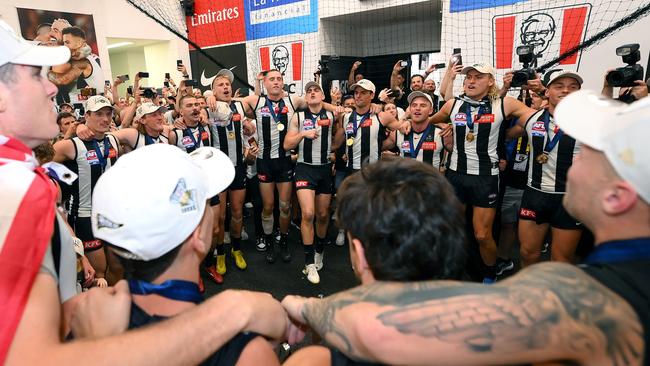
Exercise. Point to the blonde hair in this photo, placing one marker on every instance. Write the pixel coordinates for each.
(493, 92)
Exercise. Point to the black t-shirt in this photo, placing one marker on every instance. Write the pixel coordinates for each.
(228, 354)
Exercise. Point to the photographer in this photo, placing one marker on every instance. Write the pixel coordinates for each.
(628, 78)
(636, 92)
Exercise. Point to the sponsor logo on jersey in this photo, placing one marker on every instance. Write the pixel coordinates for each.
(236, 117)
(538, 128)
(429, 145)
(460, 117)
(528, 214)
(324, 122)
(204, 135)
(308, 124)
(112, 153)
(485, 118)
(92, 244)
(367, 123)
(91, 157)
(262, 177)
(187, 141)
(301, 183)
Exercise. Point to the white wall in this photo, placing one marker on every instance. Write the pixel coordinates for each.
(113, 19)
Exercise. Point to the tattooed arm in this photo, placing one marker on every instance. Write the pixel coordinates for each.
(550, 311)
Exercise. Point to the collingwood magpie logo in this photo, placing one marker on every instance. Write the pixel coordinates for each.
(104, 223)
(186, 198)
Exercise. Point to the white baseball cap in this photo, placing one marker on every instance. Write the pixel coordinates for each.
(17, 50)
(165, 199)
(97, 102)
(416, 94)
(564, 74)
(618, 130)
(483, 68)
(146, 108)
(365, 84)
(225, 73)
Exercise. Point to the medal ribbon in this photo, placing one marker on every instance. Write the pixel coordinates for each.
(355, 126)
(550, 143)
(484, 107)
(172, 289)
(269, 104)
(415, 151)
(233, 108)
(102, 157)
(189, 132)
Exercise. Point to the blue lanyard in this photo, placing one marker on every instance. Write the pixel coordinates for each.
(269, 104)
(191, 134)
(415, 151)
(102, 157)
(620, 251)
(233, 108)
(172, 289)
(550, 143)
(148, 140)
(355, 126)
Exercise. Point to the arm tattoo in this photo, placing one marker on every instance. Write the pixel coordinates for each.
(549, 306)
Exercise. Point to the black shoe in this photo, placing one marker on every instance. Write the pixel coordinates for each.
(261, 244)
(270, 251)
(504, 265)
(284, 249)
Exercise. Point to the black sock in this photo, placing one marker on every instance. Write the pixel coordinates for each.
(209, 260)
(283, 238)
(320, 245)
(490, 272)
(309, 253)
(236, 243)
(221, 249)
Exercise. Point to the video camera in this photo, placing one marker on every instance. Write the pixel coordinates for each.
(529, 59)
(627, 75)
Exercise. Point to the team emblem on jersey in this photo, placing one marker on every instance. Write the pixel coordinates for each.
(204, 135)
(308, 124)
(236, 117)
(429, 145)
(186, 198)
(406, 146)
(460, 119)
(265, 111)
(485, 118)
(112, 153)
(349, 128)
(324, 122)
(91, 157)
(187, 141)
(284, 110)
(538, 129)
(367, 123)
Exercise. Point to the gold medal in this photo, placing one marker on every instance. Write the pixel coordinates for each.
(542, 158)
(231, 135)
(350, 141)
(470, 137)
(280, 127)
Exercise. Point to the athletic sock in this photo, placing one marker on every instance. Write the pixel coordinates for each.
(221, 249)
(309, 253)
(209, 260)
(320, 245)
(236, 243)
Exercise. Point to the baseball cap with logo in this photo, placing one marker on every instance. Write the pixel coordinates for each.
(483, 68)
(558, 74)
(416, 94)
(618, 130)
(17, 50)
(97, 102)
(225, 73)
(312, 83)
(165, 202)
(146, 108)
(365, 84)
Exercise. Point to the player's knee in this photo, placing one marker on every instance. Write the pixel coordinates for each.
(482, 235)
(285, 208)
(307, 215)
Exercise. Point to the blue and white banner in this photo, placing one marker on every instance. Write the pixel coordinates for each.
(272, 18)
(466, 5)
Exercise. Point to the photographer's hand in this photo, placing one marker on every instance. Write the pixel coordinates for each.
(608, 90)
(640, 90)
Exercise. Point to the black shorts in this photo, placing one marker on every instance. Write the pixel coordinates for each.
(546, 208)
(314, 177)
(83, 229)
(240, 179)
(214, 200)
(475, 190)
(278, 170)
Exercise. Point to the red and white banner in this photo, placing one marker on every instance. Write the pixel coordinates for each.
(551, 31)
(288, 58)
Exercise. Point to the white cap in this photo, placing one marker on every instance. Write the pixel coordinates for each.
(17, 50)
(619, 130)
(564, 74)
(483, 68)
(416, 94)
(97, 102)
(365, 84)
(227, 73)
(146, 108)
(165, 199)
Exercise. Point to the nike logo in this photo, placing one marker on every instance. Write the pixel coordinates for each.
(206, 81)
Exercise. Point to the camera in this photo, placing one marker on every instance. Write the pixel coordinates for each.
(626, 75)
(529, 59)
(322, 67)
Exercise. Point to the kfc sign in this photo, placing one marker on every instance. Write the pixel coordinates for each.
(550, 31)
(288, 59)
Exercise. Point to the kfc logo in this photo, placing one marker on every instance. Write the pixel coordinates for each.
(550, 31)
(527, 214)
(301, 183)
(288, 59)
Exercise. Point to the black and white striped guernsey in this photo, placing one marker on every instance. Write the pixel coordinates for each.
(549, 177)
(230, 138)
(431, 148)
(316, 151)
(91, 160)
(368, 139)
(477, 156)
(144, 140)
(270, 137)
(192, 138)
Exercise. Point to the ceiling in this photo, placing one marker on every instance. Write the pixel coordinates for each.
(137, 43)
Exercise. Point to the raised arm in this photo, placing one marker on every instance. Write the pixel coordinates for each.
(551, 311)
(353, 71)
(442, 116)
(394, 84)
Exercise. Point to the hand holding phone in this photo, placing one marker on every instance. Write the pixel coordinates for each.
(123, 78)
(456, 58)
(143, 74)
(404, 63)
(167, 77)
